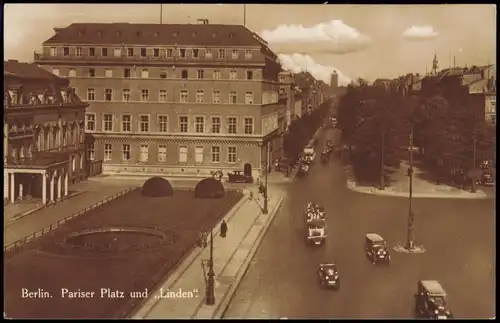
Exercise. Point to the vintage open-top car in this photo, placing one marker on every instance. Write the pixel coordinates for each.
(376, 248)
(238, 177)
(328, 276)
(430, 301)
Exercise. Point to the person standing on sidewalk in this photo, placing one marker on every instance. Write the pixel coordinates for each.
(223, 229)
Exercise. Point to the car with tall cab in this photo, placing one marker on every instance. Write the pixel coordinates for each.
(315, 230)
(376, 249)
(328, 275)
(309, 155)
(430, 301)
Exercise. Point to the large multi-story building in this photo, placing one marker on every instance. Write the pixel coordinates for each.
(44, 140)
(172, 99)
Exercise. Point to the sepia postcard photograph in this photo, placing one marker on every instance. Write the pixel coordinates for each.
(249, 161)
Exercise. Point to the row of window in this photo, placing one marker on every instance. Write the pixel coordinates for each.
(145, 96)
(144, 73)
(199, 124)
(144, 52)
(126, 153)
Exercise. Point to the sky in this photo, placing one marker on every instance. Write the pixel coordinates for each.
(367, 41)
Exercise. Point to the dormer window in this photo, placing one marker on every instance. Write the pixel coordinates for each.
(99, 34)
(138, 34)
(214, 34)
(194, 35)
(232, 35)
(81, 33)
(118, 33)
(155, 34)
(175, 34)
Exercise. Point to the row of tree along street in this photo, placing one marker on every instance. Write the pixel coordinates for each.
(377, 124)
(301, 130)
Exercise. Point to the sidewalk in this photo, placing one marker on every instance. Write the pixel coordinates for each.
(399, 186)
(91, 193)
(232, 256)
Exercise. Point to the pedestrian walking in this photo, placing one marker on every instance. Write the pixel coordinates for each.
(223, 229)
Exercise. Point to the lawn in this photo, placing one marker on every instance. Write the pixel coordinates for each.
(50, 265)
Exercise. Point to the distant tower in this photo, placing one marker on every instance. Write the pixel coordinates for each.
(434, 65)
(334, 81)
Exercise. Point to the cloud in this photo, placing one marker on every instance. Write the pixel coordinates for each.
(298, 63)
(420, 33)
(333, 37)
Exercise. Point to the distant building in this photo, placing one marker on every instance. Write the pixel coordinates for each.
(44, 141)
(165, 99)
(334, 82)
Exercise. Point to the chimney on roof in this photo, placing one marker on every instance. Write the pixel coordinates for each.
(203, 21)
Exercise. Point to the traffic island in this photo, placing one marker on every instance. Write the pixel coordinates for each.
(402, 248)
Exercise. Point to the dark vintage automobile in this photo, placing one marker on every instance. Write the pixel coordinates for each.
(376, 249)
(239, 177)
(430, 301)
(303, 170)
(328, 276)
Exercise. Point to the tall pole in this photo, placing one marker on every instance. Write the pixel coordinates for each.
(454, 61)
(210, 295)
(473, 186)
(382, 152)
(411, 215)
(161, 14)
(244, 15)
(264, 210)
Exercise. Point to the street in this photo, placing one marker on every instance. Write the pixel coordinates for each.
(458, 236)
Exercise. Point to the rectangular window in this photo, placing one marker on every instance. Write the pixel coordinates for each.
(55, 71)
(108, 152)
(144, 153)
(156, 52)
(90, 122)
(72, 72)
(169, 53)
(107, 122)
(126, 94)
(216, 75)
(183, 124)
(162, 123)
(231, 125)
(53, 51)
(215, 124)
(117, 52)
(234, 54)
(162, 96)
(493, 107)
(208, 53)
(126, 73)
(104, 52)
(248, 123)
(91, 51)
(216, 96)
(130, 52)
(200, 96)
(215, 154)
(184, 74)
(92, 152)
(90, 94)
(248, 54)
(144, 73)
(162, 153)
(91, 72)
(184, 96)
(183, 154)
(108, 73)
(144, 95)
(79, 51)
(249, 75)
(232, 97)
(198, 154)
(126, 123)
(163, 75)
(196, 52)
(126, 153)
(182, 53)
(144, 52)
(200, 74)
(222, 53)
(65, 51)
(233, 75)
(199, 124)
(144, 123)
(231, 155)
(248, 97)
(108, 94)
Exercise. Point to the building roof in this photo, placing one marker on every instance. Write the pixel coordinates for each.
(27, 70)
(156, 34)
(304, 80)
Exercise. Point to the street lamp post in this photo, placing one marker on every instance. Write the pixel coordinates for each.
(264, 209)
(382, 152)
(210, 295)
(474, 175)
(411, 215)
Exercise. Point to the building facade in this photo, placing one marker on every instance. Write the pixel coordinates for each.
(172, 99)
(44, 139)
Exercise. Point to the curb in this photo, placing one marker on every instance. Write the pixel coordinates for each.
(223, 306)
(144, 308)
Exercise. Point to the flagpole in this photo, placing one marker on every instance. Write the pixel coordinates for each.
(161, 14)
(244, 15)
